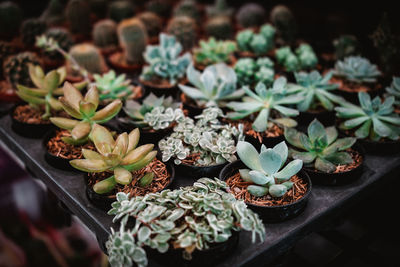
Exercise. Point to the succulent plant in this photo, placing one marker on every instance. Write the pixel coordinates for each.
(185, 31)
(152, 22)
(251, 72)
(283, 19)
(257, 43)
(83, 113)
(213, 51)
(88, 57)
(63, 39)
(213, 87)
(287, 58)
(189, 218)
(78, 16)
(316, 90)
(357, 69)
(10, 19)
(6, 50)
(47, 89)
(54, 13)
(320, 148)
(250, 15)
(120, 10)
(219, 8)
(113, 87)
(15, 68)
(30, 29)
(120, 156)
(374, 119)
(307, 57)
(266, 169)
(345, 45)
(394, 90)
(132, 37)
(219, 27)
(105, 34)
(187, 8)
(165, 60)
(263, 101)
(207, 137)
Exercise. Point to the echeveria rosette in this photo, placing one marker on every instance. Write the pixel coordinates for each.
(213, 51)
(394, 90)
(213, 87)
(267, 169)
(321, 148)
(357, 69)
(165, 60)
(374, 119)
(83, 113)
(263, 101)
(120, 156)
(113, 87)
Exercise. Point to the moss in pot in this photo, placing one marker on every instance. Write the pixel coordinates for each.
(274, 190)
(374, 123)
(165, 66)
(188, 226)
(328, 160)
(203, 147)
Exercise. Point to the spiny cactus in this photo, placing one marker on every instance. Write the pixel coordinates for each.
(219, 8)
(132, 37)
(187, 8)
(152, 22)
(10, 19)
(219, 27)
(16, 70)
(250, 15)
(88, 57)
(105, 34)
(63, 39)
(185, 31)
(78, 16)
(6, 50)
(54, 13)
(120, 10)
(284, 21)
(30, 29)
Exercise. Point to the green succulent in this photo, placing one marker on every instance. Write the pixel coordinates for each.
(250, 72)
(113, 87)
(88, 57)
(394, 90)
(257, 43)
(263, 101)
(165, 60)
(374, 119)
(282, 18)
(320, 148)
(266, 169)
(189, 218)
(104, 34)
(250, 15)
(345, 45)
(133, 38)
(316, 90)
(213, 51)
(213, 87)
(152, 22)
(120, 156)
(307, 57)
(287, 58)
(185, 31)
(357, 69)
(84, 114)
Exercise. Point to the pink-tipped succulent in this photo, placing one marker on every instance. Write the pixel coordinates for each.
(120, 156)
(83, 109)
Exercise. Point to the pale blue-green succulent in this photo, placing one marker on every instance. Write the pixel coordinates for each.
(394, 90)
(357, 69)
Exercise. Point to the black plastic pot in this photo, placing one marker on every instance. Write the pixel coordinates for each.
(267, 141)
(193, 110)
(160, 91)
(195, 172)
(29, 130)
(208, 257)
(272, 214)
(104, 201)
(386, 147)
(326, 117)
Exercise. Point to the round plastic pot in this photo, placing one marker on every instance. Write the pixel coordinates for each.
(53, 160)
(267, 141)
(29, 130)
(196, 172)
(104, 201)
(272, 214)
(115, 61)
(386, 147)
(326, 117)
(208, 257)
(158, 90)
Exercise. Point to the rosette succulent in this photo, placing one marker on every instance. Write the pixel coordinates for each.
(263, 101)
(120, 156)
(357, 69)
(304, 58)
(165, 60)
(213, 51)
(287, 59)
(83, 113)
(257, 43)
(267, 170)
(213, 87)
(113, 87)
(250, 71)
(374, 119)
(320, 148)
(189, 218)
(394, 90)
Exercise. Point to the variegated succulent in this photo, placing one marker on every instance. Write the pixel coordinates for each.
(357, 69)
(120, 156)
(190, 218)
(84, 114)
(113, 87)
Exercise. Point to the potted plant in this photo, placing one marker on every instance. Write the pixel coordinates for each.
(394, 90)
(53, 59)
(155, 117)
(214, 87)
(275, 190)
(191, 226)
(356, 74)
(250, 72)
(373, 122)
(120, 166)
(203, 147)
(265, 112)
(250, 15)
(251, 44)
(104, 35)
(304, 59)
(213, 51)
(327, 159)
(166, 66)
(66, 143)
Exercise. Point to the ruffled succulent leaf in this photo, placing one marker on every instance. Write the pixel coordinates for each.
(90, 154)
(81, 130)
(121, 144)
(92, 96)
(69, 109)
(133, 139)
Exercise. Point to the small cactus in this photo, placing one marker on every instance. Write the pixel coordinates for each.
(160, 7)
(78, 16)
(6, 50)
(132, 37)
(185, 31)
(10, 19)
(105, 34)
(88, 57)
(63, 39)
(16, 69)
(30, 29)
(284, 21)
(187, 8)
(152, 22)
(219, 27)
(250, 15)
(120, 10)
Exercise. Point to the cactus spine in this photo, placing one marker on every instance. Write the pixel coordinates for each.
(132, 37)
(105, 34)
(88, 57)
